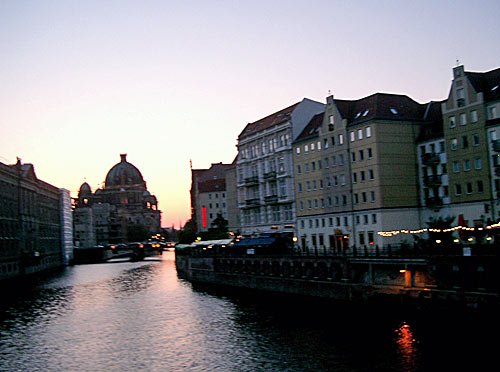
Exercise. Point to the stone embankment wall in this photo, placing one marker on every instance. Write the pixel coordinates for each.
(459, 280)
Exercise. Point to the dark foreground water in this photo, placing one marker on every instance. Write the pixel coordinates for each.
(142, 317)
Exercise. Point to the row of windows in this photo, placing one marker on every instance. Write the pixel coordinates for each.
(321, 222)
(462, 119)
(265, 147)
(354, 135)
(275, 214)
(337, 200)
(216, 195)
(469, 189)
(210, 205)
(465, 142)
(467, 165)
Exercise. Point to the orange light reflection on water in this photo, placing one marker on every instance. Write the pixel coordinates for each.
(407, 346)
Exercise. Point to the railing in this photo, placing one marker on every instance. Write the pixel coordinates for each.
(430, 158)
(432, 181)
(270, 175)
(271, 199)
(253, 180)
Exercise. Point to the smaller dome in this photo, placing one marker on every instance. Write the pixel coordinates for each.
(85, 189)
(146, 193)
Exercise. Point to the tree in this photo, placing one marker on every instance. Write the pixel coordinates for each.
(187, 234)
(440, 223)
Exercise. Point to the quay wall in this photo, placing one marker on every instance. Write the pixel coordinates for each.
(451, 281)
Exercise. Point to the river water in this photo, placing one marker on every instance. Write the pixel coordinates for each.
(141, 316)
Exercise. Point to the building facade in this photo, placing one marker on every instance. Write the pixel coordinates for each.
(31, 227)
(471, 119)
(264, 168)
(122, 211)
(209, 196)
(356, 173)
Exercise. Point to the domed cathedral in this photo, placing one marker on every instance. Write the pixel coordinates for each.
(122, 211)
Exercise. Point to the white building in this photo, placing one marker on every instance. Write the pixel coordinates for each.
(264, 166)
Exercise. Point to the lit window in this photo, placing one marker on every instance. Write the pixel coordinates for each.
(352, 136)
(454, 144)
(368, 132)
(341, 139)
(297, 150)
(331, 119)
(451, 121)
(463, 119)
(360, 134)
(473, 116)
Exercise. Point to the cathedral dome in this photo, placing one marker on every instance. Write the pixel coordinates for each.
(124, 174)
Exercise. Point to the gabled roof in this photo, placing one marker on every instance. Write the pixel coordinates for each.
(432, 125)
(268, 122)
(312, 128)
(486, 82)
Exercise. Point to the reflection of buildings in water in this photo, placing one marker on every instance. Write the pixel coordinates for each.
(407, 346)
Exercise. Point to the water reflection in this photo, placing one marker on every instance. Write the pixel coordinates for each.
(407, 346)
(141, 316)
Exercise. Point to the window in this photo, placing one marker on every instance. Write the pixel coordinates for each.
(480, 187)
(362, 176)
(299, 169)
(371, 174)
(458, 189)
(318, 145)
(465, 142)
(302, 207)
(477, 163)
(299, 187)
(441, 146)
(326, 162)
(306, 148)
(325, 143)
(363, 197)
(456, 166)
(370, 155)
(297, 150)
(358, 220)
(352, 136)
(356, 199)
(492, 112)
(454, 144)
(360, 134)
(331, 120)
(463, 119)
(372, 196)
(312, 146)
(361, 155)
(451, 121)
(341, 139)
(475, 140)
(473, 116)
(466, 165)
(353, 156)
(368, 132)
(469, 187)
(374, 218)
(354, 178)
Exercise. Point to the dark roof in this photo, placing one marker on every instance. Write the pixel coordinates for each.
(380, 106)
(255, 242)
(486, 82)
(216, 171)
(268, 122)
(432, 125)
(212, 185)
(312, 128)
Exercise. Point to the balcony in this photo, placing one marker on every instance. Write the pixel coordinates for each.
(252, 181)
(252, 203)
(271, 199)
(432, 181)
(434, 202)
(496, 145)
(270, 175)
(430, 158)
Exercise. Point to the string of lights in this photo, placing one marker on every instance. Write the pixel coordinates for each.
(451, 229)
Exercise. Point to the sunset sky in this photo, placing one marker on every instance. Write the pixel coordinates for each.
(169, 81)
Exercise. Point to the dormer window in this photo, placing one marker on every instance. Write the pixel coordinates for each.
(394, 111)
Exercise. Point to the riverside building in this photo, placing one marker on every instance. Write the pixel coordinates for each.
(264, 168)
(33, 222)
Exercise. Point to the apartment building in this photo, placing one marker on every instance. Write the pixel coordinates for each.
(364, 152)
(471, 119)
(264, 168)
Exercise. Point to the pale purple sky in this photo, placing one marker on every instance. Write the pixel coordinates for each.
(169, 81)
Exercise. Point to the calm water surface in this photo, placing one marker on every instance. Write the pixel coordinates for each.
(141, 317)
